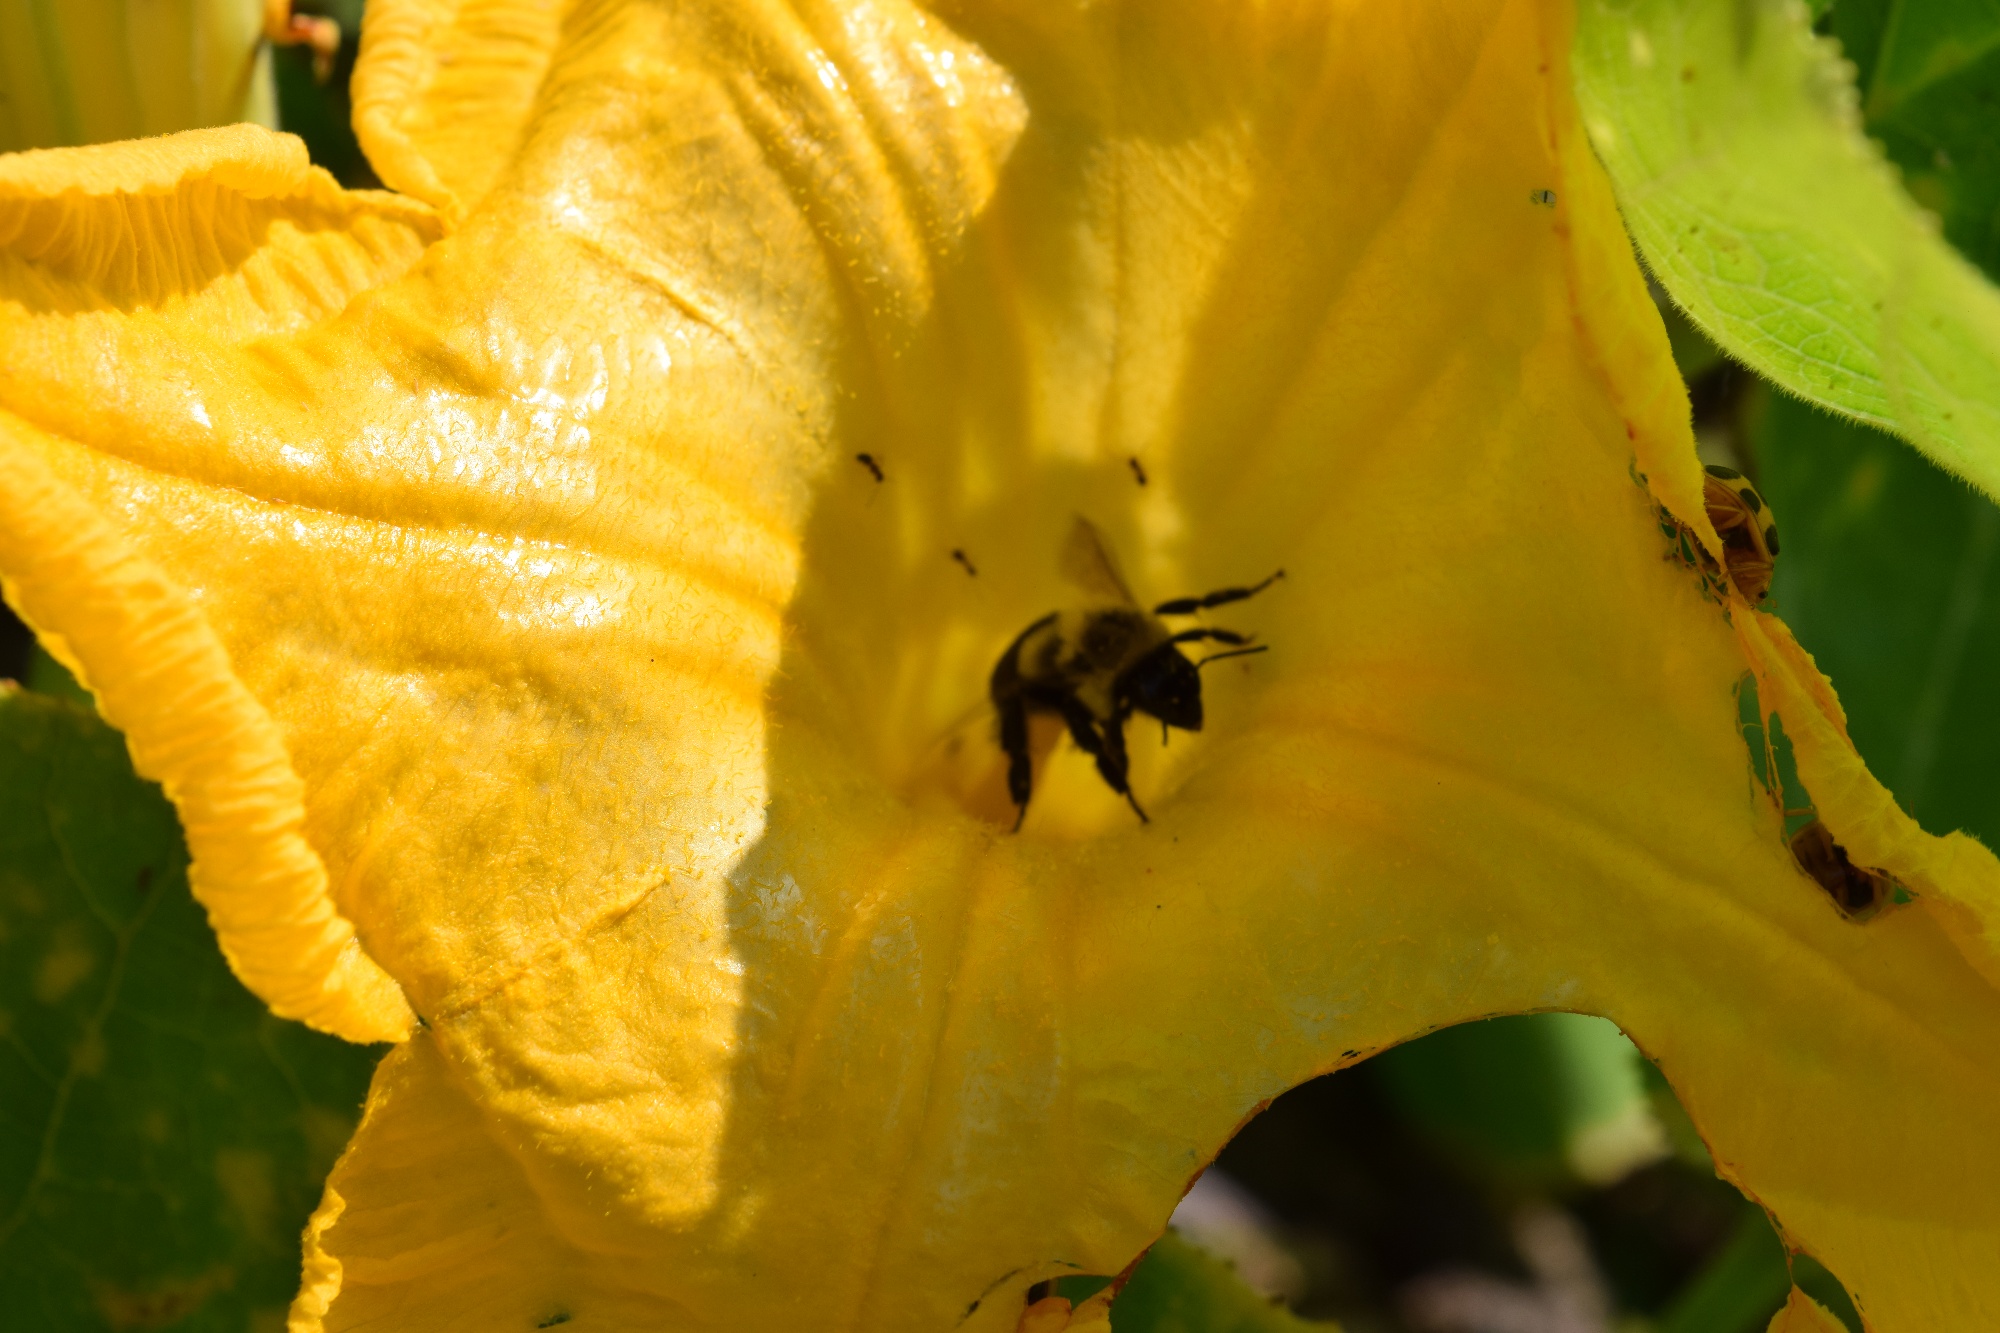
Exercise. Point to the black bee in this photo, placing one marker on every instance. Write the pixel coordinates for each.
(1096, 666)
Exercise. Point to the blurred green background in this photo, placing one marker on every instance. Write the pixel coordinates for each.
(163, 1139)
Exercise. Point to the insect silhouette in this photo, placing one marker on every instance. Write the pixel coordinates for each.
(1138, 470)
(868, 461)
(965, 562)
(1094, 667)
(1858, 891)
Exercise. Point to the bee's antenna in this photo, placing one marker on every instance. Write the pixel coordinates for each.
(1234, 652)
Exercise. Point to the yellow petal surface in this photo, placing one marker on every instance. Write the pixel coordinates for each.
(641, 729)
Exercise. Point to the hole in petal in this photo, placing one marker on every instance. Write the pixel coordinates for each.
(1860, 892)
(1811, 1276)
(1524, 1172)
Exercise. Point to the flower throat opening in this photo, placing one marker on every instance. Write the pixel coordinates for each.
(1003, 666)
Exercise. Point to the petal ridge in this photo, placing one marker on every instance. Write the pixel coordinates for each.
(154, 222)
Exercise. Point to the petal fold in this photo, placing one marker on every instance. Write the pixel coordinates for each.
(230, 225)
(443, 92)
(161, 677)
(124, 268)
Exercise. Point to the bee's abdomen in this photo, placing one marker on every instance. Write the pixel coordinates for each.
(1025, 659)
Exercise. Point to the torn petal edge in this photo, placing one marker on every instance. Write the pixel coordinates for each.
(162, 677)
(1803, 1314)
(1955, 877)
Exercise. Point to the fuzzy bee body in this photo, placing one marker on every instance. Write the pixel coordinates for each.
(1096, 666)
(1079, 653)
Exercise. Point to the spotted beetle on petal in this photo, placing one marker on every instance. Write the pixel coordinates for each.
(1749, 533)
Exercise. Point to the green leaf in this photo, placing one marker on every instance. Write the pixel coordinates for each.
(162, 1137)
(1890, 577)
(1731, 136)
(1533, 1096)
(1179, 1288)
(1932, 98)
(47, 676)
(1740, 1288)
(1927, 44)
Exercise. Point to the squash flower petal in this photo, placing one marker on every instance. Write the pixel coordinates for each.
(496, 583)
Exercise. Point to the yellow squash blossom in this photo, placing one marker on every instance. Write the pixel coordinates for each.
(489, 574)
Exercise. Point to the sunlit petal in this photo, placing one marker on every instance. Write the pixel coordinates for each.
(643, 724)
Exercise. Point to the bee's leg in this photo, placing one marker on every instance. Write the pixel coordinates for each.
(1228, 636)
(1220, 636)
(1108, 749)
(1233, 652)
(1114, 758)
(1187, 606)
(1082, 728)
(1020, 768)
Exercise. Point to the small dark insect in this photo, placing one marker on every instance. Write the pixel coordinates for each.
(1858, 892)
(962, 559)
(1546, 198)
(1138, 470)
(1749, 533)
(868, 461)
(1096, 666)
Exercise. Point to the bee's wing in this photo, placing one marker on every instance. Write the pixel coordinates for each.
(1086, 562)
